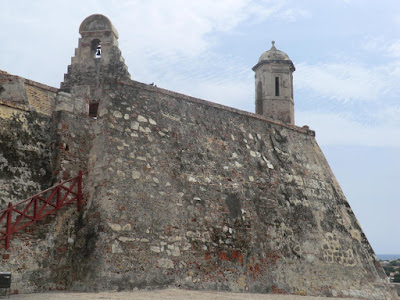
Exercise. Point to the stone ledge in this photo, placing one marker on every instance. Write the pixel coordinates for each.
(41, 85)
(30, 82)
(18, 106)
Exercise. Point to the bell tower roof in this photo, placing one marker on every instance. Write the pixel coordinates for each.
(273, 55)
(96, 23)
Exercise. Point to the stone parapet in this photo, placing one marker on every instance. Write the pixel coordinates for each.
(304, 129)
(24, 94)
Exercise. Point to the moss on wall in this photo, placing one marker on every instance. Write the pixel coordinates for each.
(26, 155)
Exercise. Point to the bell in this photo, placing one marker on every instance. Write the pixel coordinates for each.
(98, 52)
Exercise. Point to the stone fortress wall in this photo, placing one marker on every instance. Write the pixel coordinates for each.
(25, 137)
(180, 191)
(213, 198)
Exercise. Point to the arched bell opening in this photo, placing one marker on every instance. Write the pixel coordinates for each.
(96, 48)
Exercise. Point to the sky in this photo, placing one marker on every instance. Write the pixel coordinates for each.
(346, 83)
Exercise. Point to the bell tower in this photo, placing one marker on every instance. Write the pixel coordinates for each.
(274, 85)
(96, 57)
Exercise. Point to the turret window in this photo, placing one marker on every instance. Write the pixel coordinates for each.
(259, 102)
(276, 86)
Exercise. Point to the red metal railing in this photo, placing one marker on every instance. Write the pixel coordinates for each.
(18, 216)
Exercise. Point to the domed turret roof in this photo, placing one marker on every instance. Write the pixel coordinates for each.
(273, 54)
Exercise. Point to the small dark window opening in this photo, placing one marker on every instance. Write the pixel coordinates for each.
(259, 102)
(276, 86)
(96, 48)
(93, 107)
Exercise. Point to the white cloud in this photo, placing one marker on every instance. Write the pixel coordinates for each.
(388, 115)
(152, 32)
(345, 81)
(229, 93)
(378, 44)
(292, 15)
(373, 43)
(394, 49)
(227, 82)
(342, 129)
(184, 26)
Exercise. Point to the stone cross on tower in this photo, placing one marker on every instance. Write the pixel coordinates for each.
(274, 85)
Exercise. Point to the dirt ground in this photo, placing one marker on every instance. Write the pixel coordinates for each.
(169, 294)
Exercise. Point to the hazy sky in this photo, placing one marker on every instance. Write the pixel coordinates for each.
(346, 83)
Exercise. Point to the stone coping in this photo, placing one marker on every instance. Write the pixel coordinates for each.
(14, 105)
(133, 83)
(41, 85)
(30, 82)
(137, 84)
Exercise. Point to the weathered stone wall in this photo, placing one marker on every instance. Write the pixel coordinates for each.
(43, 136)
(26, 131)
(196, 195)
(180, 192)
(25, 94)
(40, 97)
(12, 91)
(43, 139)
(73, 132)
(25, 155)
(40, 255)
(397, 287)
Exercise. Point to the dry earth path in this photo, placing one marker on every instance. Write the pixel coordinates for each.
(168, 294)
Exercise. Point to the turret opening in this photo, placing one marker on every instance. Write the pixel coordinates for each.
(259, 102)
(276, 86)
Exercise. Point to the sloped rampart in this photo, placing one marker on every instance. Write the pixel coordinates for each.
(196, 195)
